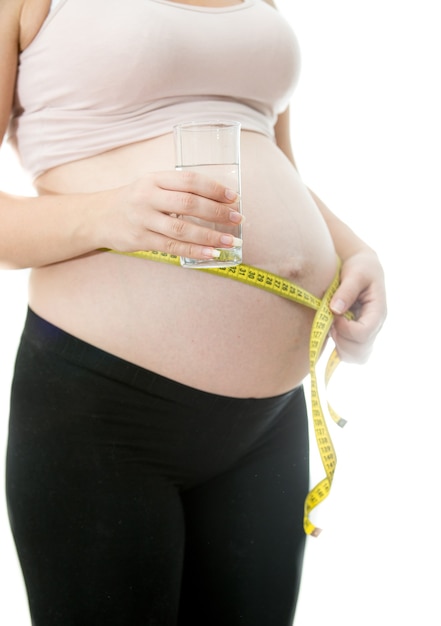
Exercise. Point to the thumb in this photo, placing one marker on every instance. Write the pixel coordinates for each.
(345, 296)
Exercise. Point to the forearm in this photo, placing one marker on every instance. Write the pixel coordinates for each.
(139, 216)
(362, 286)
(346, 242)
(47, 229)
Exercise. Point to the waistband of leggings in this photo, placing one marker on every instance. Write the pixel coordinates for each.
(50, 338)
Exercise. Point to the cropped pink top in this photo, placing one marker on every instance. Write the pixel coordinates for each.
(107, 73)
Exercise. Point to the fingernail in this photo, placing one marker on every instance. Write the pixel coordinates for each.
(229, 240)
(236, 217)
(230, 194)
(211, 253)
(338, 306)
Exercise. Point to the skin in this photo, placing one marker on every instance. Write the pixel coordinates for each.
(111, 201)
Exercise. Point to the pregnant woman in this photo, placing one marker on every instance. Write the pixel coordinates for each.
(157, 461)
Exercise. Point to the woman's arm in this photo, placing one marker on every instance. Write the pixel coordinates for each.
(40, 231)
(141, 216)
(362, 287)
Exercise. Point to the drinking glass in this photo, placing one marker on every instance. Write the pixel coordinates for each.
(213, 149)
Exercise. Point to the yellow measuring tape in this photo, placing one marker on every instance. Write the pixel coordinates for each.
(319, 332)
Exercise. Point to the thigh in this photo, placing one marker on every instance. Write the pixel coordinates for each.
(99, 541)
(245, 538)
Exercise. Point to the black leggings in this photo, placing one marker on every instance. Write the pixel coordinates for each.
(138, 501)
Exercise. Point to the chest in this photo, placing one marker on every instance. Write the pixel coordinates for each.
(108, 52)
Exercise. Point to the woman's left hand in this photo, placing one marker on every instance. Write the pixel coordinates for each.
(362, 290)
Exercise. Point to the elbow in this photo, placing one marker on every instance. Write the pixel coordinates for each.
(8, 263)
(12, 257)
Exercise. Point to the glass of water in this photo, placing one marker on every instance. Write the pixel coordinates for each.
(213, 149)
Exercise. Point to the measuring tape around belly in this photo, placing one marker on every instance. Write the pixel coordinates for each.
(321, 325)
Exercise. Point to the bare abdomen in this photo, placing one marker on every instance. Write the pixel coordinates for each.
(199, 329)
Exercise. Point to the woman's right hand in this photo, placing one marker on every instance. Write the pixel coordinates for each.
(146, 215)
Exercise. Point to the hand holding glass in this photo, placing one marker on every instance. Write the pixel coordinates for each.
(213, 149)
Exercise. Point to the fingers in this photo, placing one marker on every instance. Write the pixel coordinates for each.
(174, 212)
(354, 339)
(192, 205)
(196, 184)
(347, 294)
(202, 201)
(361, 291)
(353, 353)
(195, 195)
(188, 239)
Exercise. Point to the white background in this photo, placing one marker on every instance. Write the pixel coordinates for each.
(367, 135)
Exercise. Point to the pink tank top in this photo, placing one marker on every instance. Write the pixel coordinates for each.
(105, 73)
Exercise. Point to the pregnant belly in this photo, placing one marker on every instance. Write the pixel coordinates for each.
(202, 330)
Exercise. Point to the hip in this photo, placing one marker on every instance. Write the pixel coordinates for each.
(108, 408)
